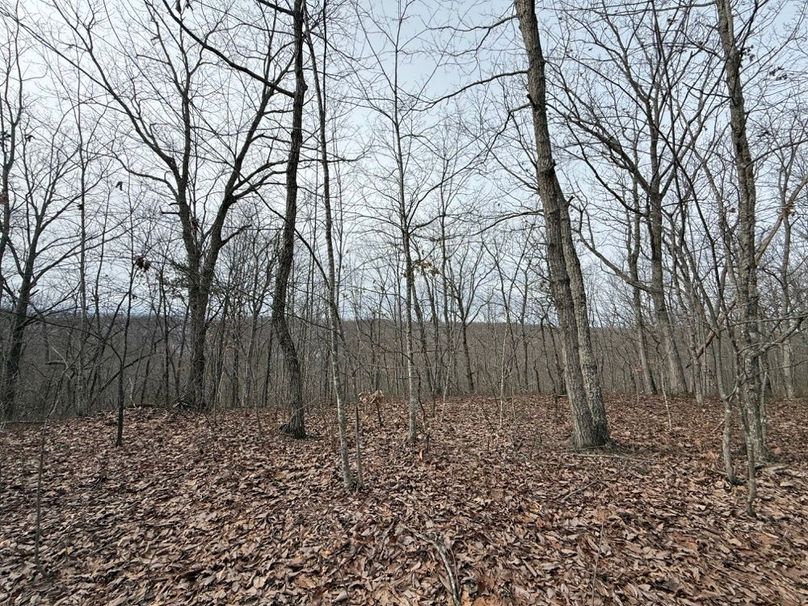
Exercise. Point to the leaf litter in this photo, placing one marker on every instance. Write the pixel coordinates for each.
(206, 509)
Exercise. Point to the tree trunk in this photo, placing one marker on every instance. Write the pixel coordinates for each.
(677, 383)
(11, 368)
(785, 278)
(409, 337)
(335, 334)
(122, 360)
(464, 337)
(195, 395)
(746, 274)
(586, 353)
(426, 363)
(296, 425)
(569, 298)
(634, 244)
(788, 369)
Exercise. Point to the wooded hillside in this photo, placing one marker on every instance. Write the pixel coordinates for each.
(403, 301)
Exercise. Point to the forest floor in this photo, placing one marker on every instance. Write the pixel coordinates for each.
(208, 509)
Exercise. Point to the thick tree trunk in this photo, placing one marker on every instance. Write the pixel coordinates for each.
(195, 393)
(565, 278)
(296, 425)
(16, 339)
(586, 353)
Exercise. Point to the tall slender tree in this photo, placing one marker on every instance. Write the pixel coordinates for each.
(280, 323)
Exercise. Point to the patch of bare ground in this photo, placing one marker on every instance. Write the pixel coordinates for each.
(205, 509)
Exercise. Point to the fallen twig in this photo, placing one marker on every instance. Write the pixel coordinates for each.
(610, 456)
(448, 560)
(577, 490)
(595, 567)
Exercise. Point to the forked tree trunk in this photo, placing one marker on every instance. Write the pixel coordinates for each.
(589, 426)
(586, 352)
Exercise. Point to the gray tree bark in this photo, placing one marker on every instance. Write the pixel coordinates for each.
(746, 329)
(335, 336)
(296, 424)
(583, 384)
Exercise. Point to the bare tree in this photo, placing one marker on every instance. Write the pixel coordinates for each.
(295, 426)
(39, 193)
(583, 383)
(336, 338)
(188, 154)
